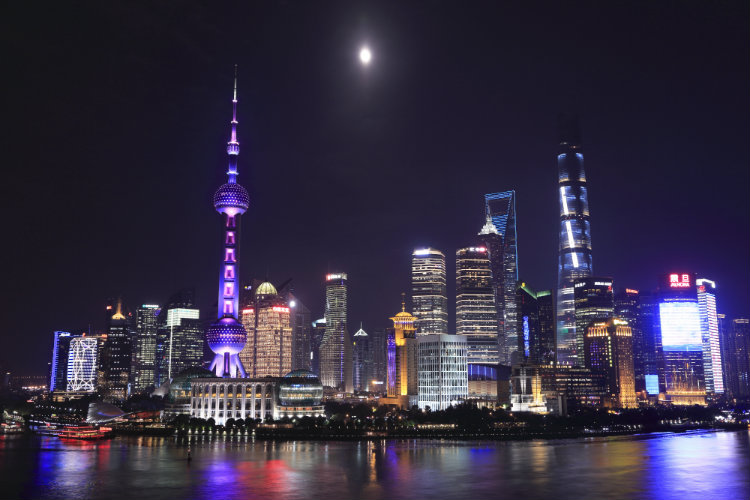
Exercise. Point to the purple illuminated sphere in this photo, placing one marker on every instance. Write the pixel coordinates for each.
(232, 196)
(226, 335)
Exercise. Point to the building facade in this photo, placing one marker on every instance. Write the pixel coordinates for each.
(543, 351)
(362, 350)
(116, 358)
(144, 347)
(442, 372)
(59, 366)
(574, 258)
(83, 360)
(501, 210)
(267, 322)
(224, 398)
(179, 339)
(710, 336)
(594, 302)
(608, 348)
(402, 382)
(336, 347)
(429, 291)
(476, 313)
(301, 334)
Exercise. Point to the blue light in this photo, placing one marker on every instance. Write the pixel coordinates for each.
(526, 336)
(680, 326)
(652, 384)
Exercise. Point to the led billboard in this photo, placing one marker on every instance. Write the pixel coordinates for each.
(680, 326)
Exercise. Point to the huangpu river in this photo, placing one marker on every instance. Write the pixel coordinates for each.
(702, 465)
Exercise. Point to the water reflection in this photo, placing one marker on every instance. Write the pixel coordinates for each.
(709, 465)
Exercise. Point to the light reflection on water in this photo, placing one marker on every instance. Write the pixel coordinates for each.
(665, 467)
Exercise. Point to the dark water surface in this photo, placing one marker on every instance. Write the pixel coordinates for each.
(703, 465)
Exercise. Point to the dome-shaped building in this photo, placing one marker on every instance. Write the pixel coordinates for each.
(300, 393)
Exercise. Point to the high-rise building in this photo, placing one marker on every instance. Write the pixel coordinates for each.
(476, 315)
(442, 371)
(226, 337)
(428, 291)
(59, 366)
(574, 260)
(527, 308)
(363, 360)
(493, 242)
(652, 353)
(738, 357)
(144, 346)
(83, 359)
(627, 304)
(543, 350)
(301, 334)
(594, 302)
(608, 348)
(710, 336)
(402, 384)
(267, 322)
(318, 334)
(501, 210)
(682, 343)
(379, 359)
(116, 357)
(179, 339)
(335, 349)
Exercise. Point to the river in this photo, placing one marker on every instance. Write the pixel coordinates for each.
(703, 465)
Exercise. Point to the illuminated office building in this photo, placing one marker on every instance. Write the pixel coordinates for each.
(627, 304)
(682, 343)
(594, 302)
(144, 347)
(267, 322)
(83, 360)
(652, 353)
(476, 315)
(180, 335)
(402, 379)
(318, 333)
(574, 259)
(301, 334)
(736, 348)
(500, 209)
(608, 348)
(379, 343)
(428, 291)
(710, 336)
(336, 347)
(442, 371)
(59, 365)
(116, 357)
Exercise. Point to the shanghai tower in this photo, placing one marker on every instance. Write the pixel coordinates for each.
(226, 337)
(574, 258)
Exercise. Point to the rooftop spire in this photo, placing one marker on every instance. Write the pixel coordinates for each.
(403, 301)
(233, 146)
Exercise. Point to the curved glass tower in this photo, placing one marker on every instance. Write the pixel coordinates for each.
(226, 337)
(574, 259)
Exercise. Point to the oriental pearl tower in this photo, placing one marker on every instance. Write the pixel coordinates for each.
(226, 337)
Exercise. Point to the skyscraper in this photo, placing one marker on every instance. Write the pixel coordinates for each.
(574, 260)
(543, 351)
(627, 304)
(500, 208)
(117, 357)
(442, 371)
(318, 334)
(363, 360)
(527, 308)
(301, 334)
(402, 384)
(476, 315)
(710, 336)
(682, 343)
(226, 337)
(335, 349)
(59, 365)
(267, 321)
(179, 340)
(652, 352)
(608, 348)
(144, 346)
(428, 291)
(379, 340)
(594, 302)
(83, 359)
(738, 357)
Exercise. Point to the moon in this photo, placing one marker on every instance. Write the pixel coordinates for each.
(365, 56)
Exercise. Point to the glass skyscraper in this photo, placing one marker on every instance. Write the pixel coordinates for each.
(574, 259)
(594, 302)
(710, 336)
(336, 347)
(144, 346)
(59, 367)
(500, 209)
(180, 335)
(428, 291)
(476, 315)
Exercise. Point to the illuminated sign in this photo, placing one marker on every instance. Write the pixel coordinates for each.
(338, 276)
(680, 326)
(477, 249)
(630, 290)
(150, 306)
(652, 384)
(280, 309)
(602, 283)
(248, 311)
(526, 336)
(422, 251)
(679, 280)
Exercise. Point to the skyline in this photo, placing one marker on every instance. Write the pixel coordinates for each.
(384, 221)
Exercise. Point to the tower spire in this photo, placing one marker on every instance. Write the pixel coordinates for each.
(233, 146)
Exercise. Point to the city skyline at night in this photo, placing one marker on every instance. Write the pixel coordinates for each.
(322, 191)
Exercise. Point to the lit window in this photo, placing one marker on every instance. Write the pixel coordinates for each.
(230, 238)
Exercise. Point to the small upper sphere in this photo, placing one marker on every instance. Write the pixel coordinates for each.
(231, 196)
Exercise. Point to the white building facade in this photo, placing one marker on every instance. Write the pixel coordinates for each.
(442, 371)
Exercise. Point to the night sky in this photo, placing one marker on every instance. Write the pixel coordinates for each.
(116, 118)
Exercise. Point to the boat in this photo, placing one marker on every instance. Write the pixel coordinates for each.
(85, 433)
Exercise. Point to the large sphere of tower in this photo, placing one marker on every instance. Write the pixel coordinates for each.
(227, 335)
(232, 199)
